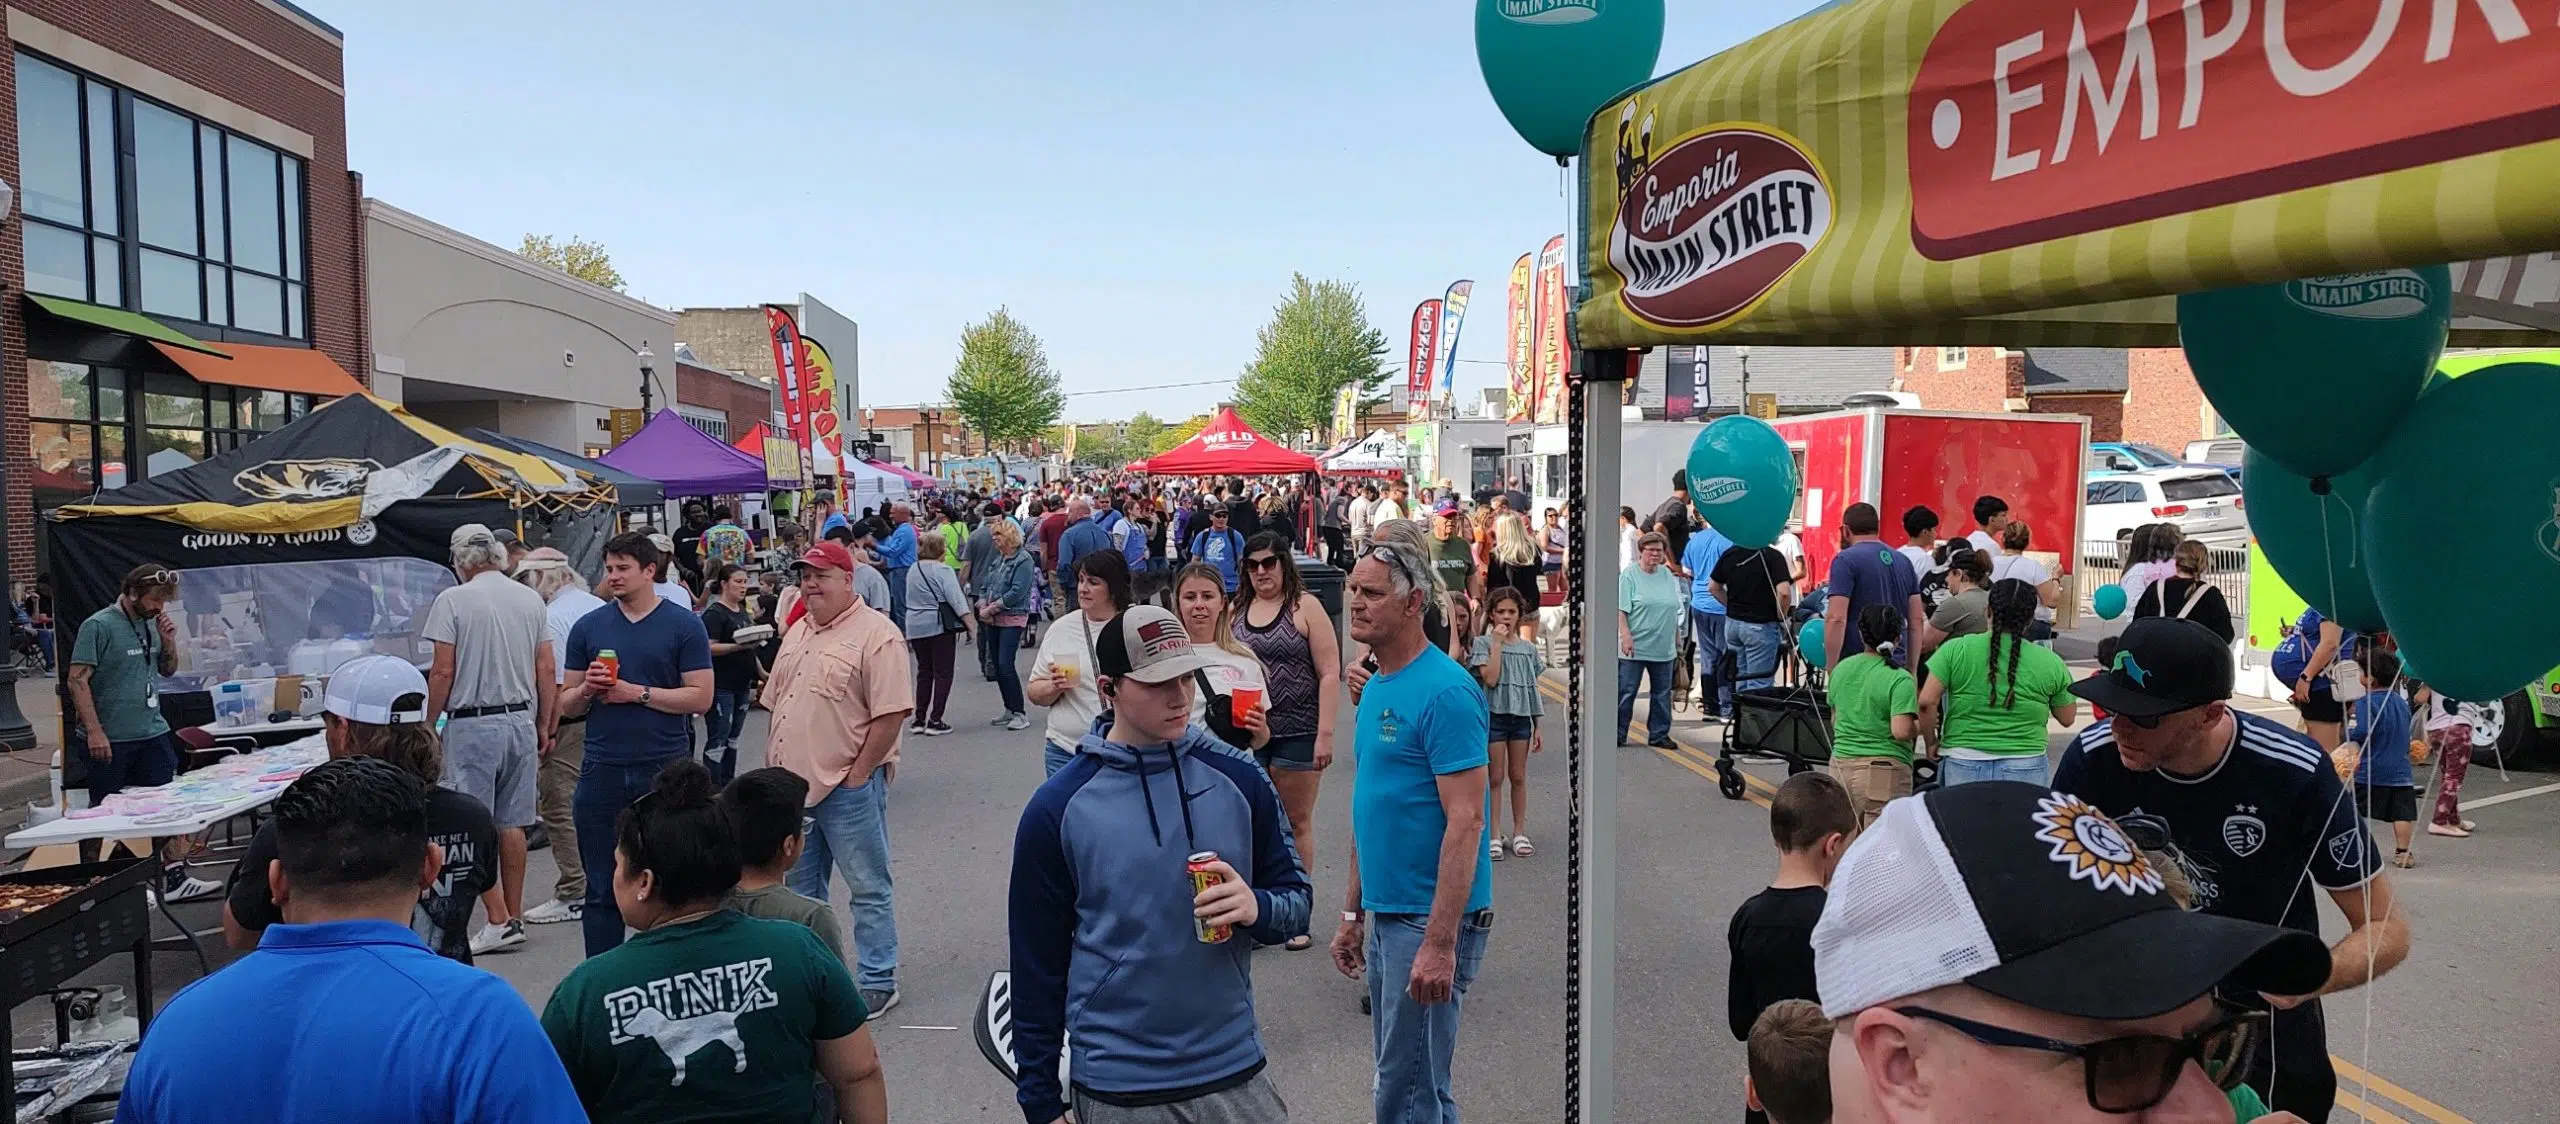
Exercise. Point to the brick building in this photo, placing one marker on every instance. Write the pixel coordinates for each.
(2142, 394)
(922, 437)
(724, 404)
(187, 270)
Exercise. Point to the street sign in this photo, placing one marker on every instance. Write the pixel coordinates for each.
(1761, 406)
(627, 422)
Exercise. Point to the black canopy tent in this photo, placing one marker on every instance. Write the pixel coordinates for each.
(629, 490)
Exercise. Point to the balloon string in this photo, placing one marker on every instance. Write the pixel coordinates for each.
(2372, 950)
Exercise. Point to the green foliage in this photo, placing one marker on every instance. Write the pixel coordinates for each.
(1003, 383)
(1318, 341)
(576, 257)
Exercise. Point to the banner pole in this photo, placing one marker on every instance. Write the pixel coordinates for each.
(1592, 597)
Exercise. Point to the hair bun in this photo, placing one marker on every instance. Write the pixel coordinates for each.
(684, 783)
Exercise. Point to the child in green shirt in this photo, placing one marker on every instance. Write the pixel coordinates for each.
(1875, 715)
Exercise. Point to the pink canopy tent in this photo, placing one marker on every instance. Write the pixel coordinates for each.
(915, 479)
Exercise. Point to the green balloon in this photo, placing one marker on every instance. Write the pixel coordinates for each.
(2463, 529)
(2313, 556)
(1742, 479)
(1810, 642)
(2315, 372)
(1551, 64)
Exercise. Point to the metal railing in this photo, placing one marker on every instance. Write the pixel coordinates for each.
(2226, 570)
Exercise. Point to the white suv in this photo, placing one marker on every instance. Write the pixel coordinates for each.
(2201, 502)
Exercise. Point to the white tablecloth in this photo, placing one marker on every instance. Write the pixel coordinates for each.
(193, 802)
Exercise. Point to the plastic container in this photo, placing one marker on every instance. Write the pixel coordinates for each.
(308, 658)
(231, 705)
(346, 648)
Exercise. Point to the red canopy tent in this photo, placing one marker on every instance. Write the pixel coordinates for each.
(1227, 447)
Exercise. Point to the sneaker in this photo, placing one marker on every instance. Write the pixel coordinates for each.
(555, 911)
(492, 938)
(937, 728)
(878, 1002)
(1017, 722)
(1001, 719)
(186, 888)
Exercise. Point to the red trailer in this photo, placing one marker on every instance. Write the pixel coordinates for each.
(1945, 459)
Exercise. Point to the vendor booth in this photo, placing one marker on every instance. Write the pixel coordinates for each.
(869, 487)
(916, 481)
(1227, 447)
(580, 535)
(1380, 454)
(685, 461)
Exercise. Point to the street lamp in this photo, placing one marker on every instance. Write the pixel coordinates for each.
(1742, 354)
(648, 371)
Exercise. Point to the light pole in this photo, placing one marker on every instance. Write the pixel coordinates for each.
(1742, 355)
(648, 371)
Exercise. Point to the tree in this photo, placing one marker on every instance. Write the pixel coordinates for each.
(576, 257)
(1176, 434)
(1318, 341)
(1003, 384)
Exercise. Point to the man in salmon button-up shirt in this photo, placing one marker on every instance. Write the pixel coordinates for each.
(840, 693)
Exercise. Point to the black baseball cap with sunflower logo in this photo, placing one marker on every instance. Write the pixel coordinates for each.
(2037, 897)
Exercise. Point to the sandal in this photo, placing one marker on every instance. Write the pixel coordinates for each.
(2449, 832)
(1520, 846)
(1496, 848)
(1299, 943)
(2403, 859)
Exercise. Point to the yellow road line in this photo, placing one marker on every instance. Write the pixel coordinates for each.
(2350, 1071)
(1684, 761)
(2349, 1102)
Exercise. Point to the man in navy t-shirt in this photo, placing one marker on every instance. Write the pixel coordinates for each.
(2258, 815)
(637, 710)
(1867, 572)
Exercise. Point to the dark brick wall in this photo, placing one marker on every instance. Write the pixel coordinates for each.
(2163, 405)
(714, 390)
(1986, 382)
(167, 42)
(2104, 411)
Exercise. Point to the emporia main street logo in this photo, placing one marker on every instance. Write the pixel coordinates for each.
(1550, 11)
(1711, 226)
(305, 481)
(2390, 294)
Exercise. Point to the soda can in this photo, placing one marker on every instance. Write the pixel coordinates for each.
(1203, 876)
(612, 663)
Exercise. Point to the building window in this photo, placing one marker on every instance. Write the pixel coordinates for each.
(79, 427)
(1951, 359)
(184, 220)
(712, 422)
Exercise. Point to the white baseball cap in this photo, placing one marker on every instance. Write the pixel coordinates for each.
(1147, 644)
(365, 688)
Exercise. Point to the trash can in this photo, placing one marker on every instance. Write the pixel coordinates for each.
(1326, 581)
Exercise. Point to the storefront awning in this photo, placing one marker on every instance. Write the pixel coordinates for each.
(125, 323)
(293, 370)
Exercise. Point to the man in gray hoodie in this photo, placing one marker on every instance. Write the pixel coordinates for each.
(1163, 1027)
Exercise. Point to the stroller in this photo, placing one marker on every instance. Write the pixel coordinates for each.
(1788, 722)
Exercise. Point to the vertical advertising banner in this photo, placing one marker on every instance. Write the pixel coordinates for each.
(826, 427)
(1423, 353)
(1684, 371)
(789, 371)
(1453, 316)
(1549, 297)
(1522, 331)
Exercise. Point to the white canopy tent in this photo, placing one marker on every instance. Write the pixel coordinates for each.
(866, 486)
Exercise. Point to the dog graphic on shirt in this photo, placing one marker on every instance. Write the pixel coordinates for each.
(684, 1013)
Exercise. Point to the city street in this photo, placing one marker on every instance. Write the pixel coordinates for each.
(2463, 1030)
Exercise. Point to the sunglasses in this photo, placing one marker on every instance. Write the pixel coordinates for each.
(2137, 1071)
(1265, 562)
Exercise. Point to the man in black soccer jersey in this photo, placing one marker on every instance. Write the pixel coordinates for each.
(2260, 815)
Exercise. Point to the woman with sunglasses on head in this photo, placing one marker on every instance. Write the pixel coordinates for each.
(1989, 695)
(1287, 629)
(1062, 674)
(1513, 563)
(764, 1010)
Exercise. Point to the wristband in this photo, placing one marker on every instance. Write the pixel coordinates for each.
(1350, 917)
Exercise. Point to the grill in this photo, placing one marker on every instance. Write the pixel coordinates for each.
(42, 948)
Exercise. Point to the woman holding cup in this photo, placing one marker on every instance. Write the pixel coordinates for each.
(1287, 629)
(1230, 699)
(1062, 673)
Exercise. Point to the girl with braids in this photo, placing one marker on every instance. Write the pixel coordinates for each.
(1875, 717)
(1989, 694)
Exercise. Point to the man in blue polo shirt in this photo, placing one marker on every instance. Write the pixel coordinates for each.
(897, 556)
(1706, 616)
(1867, 572)
(342, 1013)
(1417, 809)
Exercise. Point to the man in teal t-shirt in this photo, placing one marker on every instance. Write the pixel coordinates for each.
(1650, 602)
(117, 662)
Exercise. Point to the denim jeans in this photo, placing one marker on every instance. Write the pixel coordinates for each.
(1754, 645)
(727, 720)
(1709, 629)
(1415, 1043)
(2028, 767)
(850, 831)
(897, 576)
(1657, 720)
(1006, 642)
(1054, 757)
(605, 788)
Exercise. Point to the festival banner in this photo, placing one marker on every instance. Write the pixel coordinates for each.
(1522, 331)
(826, 428)
(1453, 316)
(1422, 354)
(790, 362)
(1548, 297)
(2022, 172)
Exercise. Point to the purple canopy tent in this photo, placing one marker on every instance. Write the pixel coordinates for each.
(686, 460)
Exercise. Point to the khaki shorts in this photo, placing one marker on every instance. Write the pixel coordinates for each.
(1871, 781)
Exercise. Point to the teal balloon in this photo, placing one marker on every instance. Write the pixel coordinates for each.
(1551, 64)
(2108, 601)
(1809, 641)
(2463, 528)
(2314, 373)
(2314, 542)
(1742, 479)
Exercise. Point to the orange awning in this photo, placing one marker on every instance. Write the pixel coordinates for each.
(293, 370)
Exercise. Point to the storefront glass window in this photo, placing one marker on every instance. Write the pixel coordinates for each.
(113, 472)
(65, 460)
(57, 262)
(58, 390)
(169, 286)
(164, 179)
(168, 450)
(49, 158)
(268, 410)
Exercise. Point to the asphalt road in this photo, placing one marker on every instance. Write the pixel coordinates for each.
(2466, 1031)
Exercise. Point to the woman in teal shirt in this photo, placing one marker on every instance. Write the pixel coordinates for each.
(1650, 601)
(1989, 694)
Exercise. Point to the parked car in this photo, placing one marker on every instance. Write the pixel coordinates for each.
(2202, 502)
(2220, 450)
(2136, 456)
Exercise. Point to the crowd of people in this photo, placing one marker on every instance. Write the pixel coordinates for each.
(2144, 906)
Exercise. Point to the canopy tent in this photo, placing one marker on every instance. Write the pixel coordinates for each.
(781, 458)
(1227, 447)
(687, 461)
(871, 487)
(629, 489)
(358, 478)
(915, 480)
(1381, 453)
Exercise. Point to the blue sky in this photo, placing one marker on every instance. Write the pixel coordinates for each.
(1136, 180)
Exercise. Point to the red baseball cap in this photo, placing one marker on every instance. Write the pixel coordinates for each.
(829, 555)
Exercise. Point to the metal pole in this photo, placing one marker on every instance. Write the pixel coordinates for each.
(646, 371)
(1593, 596)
